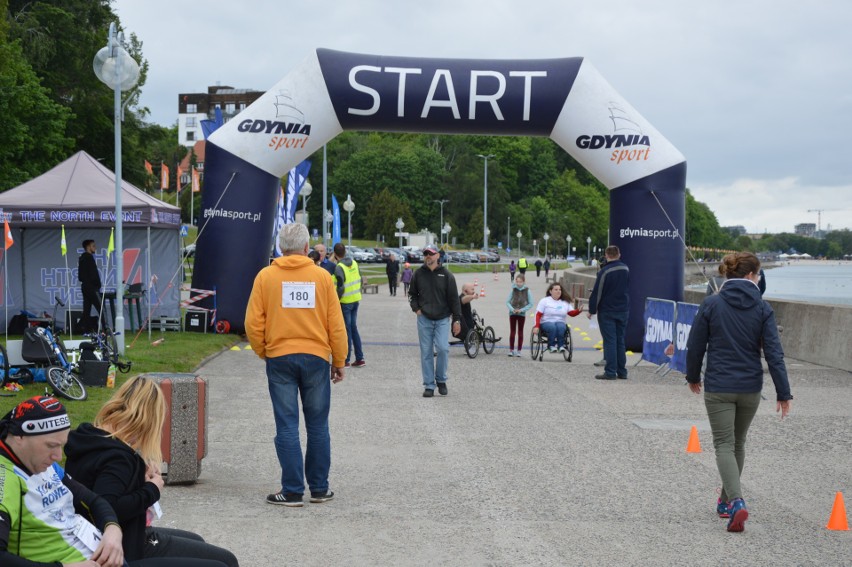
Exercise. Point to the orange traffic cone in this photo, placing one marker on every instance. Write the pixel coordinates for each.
(838, 521)
(482, 292)
(694, 445)
(495, 276)
(475, 282)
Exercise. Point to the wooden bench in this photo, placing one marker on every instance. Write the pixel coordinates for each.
(369, 288)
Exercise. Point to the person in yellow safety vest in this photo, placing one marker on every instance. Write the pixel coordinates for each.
(348, 280)
(522, 265)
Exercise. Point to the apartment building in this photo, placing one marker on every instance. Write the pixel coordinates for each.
(195, 107)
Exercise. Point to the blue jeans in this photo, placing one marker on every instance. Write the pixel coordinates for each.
(350, 319)
(555, 331)
(433, 334)
(613, 325)
(309, 377)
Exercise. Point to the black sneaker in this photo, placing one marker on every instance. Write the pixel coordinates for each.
(604, 377)
(427, 393)
(290, 499)
(442, 388)
(320, 497)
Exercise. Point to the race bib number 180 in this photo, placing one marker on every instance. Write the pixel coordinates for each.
(298, 295)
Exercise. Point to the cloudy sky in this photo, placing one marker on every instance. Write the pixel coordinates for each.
(757, 94)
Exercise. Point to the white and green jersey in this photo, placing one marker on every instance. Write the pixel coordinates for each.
(40, 508)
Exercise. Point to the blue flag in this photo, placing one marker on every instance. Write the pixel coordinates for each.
(280, 220)
(295, 181)
(335, 227)
(210, 126)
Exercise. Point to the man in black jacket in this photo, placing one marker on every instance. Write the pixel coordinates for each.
(392, 270)
(433, 296)
(90, 285)
(611, 302)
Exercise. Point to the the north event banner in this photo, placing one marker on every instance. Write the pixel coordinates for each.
(37, 280)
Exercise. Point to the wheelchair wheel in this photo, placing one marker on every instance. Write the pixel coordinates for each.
(66, 384)
(488, 340)
(4, 366)
(535, 345)
(471, 343)
(568, 353)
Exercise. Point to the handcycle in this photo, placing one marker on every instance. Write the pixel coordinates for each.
(103, 346)
(479, 335)
(45, 350)
(538, 344)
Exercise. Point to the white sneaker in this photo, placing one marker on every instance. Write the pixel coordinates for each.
(511, 353)
(562, 349)
(552, 349)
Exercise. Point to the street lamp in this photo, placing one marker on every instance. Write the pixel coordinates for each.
(519, 235)
(120, 72)
(349, 206)
(441, 202)
(485, 203)
(329, 218)
(446, 230)
(306, 191)
(485, 250)
(568, 239)
(546, 238)
(588, 249)
(508, 232)
(399, 226)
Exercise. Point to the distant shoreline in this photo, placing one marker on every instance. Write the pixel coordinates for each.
(693, 272)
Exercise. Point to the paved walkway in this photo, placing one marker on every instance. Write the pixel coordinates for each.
(524, 463)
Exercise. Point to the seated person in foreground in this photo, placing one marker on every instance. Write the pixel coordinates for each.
(119, 457)
(46, 517)
(468, 294)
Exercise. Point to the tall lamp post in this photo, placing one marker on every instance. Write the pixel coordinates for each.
(519, 235)
(546, 238)
(326, 227)
(568, 239)
(399, 226)
(349, 206)
(306, 191)
(441, 202)
(120, 72)
(509, 232)
(485, 204)
(588, 249)
(446, 230)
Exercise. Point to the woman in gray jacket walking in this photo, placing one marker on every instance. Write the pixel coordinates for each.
(732, 327)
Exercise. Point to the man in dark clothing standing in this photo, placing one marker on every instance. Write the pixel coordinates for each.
(392, 270)
(90, 285)
(538, 265)
(611, 302)
(433, 296)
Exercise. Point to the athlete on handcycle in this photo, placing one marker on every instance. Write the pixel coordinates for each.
(473, 331)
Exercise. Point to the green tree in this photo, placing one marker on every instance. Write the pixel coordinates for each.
(702, 227)
(33, 125)
(382, 212)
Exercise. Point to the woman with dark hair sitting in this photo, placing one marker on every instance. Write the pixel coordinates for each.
(119, 458)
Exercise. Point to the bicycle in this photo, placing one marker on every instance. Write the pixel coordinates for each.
(44, 349)
(105, 347)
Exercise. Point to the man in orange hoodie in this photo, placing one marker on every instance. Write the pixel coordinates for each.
(294, 322)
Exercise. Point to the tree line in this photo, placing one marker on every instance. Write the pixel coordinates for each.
(53, 106)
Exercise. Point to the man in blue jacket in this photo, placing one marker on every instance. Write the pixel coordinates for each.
(610, 301)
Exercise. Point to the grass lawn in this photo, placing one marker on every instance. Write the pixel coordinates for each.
(179, 352)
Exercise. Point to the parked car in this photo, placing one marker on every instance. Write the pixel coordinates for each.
(472, 257)
(412, 255)
(386, 252)
(188, 251)
(361, 255)
(493, 255)
(456, 256)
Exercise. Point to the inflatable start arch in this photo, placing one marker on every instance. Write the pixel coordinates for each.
(333, 91)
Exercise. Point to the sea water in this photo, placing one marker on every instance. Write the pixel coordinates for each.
(829, 282)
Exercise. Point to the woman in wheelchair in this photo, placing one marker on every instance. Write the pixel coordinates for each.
(551, 315)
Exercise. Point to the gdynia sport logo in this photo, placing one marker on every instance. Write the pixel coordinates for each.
(288, 130)
(627, 142)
